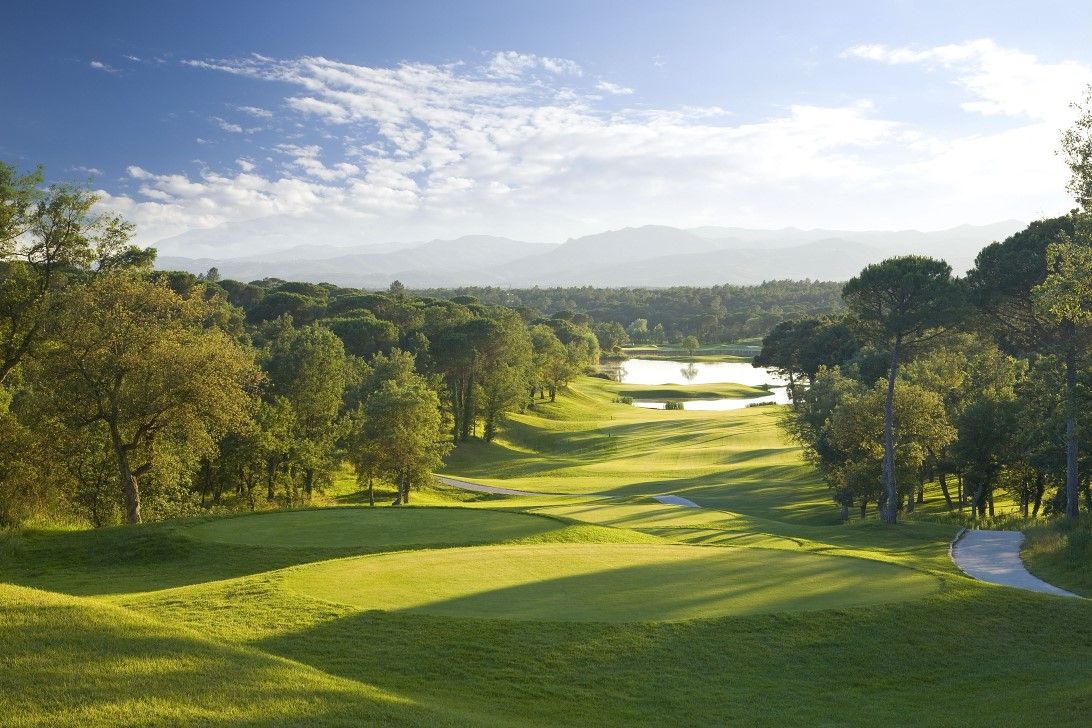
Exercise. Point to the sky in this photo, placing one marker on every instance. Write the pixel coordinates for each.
(230, 128)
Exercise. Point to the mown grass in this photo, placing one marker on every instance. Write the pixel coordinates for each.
(738, 461)
(68, 661)
(605, 583)
(192, 630)
(683, 392)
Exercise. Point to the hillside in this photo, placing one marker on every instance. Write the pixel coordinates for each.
(653, 255)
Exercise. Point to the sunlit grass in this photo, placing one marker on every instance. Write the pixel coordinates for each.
(609, 583)
(776, 614)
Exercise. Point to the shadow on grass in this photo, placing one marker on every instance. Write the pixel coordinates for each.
(70, 661)
(865, 666)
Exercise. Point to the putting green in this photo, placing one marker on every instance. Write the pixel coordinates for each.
(606, 582)
(376, 529)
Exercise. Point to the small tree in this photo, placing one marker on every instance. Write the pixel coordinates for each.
(403, 435)
(690, 343)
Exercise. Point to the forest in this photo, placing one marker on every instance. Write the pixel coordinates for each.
(714, 314)
(975, 385)
(133, 394)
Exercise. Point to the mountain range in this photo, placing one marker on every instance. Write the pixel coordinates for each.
(649, 256)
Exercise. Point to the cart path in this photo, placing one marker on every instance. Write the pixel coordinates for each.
(994, 556)
(671, 500)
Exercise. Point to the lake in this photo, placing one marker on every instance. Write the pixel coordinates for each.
(650, 371)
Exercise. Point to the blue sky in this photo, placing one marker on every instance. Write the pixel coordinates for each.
(241, 126)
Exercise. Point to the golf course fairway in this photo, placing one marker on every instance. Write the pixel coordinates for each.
(479, 609)
(606, 582)
(376, 529)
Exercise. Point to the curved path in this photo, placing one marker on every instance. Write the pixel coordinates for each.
(994, 556)
(671, 500)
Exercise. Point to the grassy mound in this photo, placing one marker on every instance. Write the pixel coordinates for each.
(72, 661)
(377, 529)
(606, 583)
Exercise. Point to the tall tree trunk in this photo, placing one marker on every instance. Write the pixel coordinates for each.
(1071, 432)
(371, 492)
(1040, 489)
(130, 487)
(944, 487)
(978, 502)
(468, 410)
(889, 512)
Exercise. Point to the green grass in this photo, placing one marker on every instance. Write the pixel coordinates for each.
(72, 661)
(605, 583)
(374, 529)
(1061, 553)
(738, 461)
(341, 617)
(682, 392)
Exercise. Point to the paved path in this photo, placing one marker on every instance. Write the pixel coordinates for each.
(671, 500)
(994, 556)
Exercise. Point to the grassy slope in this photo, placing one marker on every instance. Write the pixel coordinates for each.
(1061, 553)
(682, 392)
(735, 460)
(599, 582)
(73, 661)
(970, 654)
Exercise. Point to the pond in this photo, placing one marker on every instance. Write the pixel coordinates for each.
(649, 371)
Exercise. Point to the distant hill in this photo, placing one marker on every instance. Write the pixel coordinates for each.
(653, 255)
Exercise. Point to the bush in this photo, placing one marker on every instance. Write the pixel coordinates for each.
(673, 405)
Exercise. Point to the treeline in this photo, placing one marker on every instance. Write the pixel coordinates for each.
(131, 394)
(713, 314)
(977, 384)
(986, 377)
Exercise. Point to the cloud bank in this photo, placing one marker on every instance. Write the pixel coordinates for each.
(525, 146)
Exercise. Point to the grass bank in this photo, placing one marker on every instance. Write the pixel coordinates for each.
(1060, 552)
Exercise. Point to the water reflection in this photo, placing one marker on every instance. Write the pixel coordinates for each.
(718, 405)
(650, 372)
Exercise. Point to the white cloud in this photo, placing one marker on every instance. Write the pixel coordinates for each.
(1001, 81)
(420, 150)
(100, 66)
(613, 88)
(510, 64)
(255, 111)
(227, 125)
